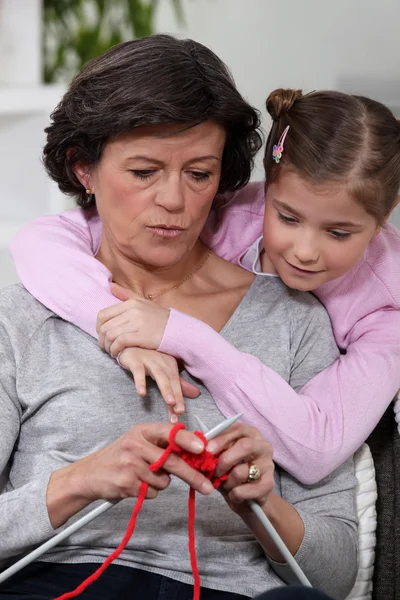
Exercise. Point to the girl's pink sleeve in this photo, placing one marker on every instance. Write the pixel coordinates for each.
(54, 258)
(317, 429)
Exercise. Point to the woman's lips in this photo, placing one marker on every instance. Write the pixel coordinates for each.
(166, 232)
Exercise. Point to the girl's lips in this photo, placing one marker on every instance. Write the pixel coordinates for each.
(304, 272)
(166, 232)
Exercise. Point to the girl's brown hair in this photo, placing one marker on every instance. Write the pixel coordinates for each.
(338, 138)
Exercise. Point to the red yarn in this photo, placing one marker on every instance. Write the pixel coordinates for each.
(205, 463)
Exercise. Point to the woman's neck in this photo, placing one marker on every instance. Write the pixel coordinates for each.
(144, 279)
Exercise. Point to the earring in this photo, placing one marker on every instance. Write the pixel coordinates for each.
(89, 191)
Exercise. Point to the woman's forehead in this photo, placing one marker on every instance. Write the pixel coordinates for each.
(206, 138)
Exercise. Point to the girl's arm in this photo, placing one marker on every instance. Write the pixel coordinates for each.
(54, 258)
(317, 429)
(55, 255)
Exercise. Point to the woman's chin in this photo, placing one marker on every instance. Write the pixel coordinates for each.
(162, 258)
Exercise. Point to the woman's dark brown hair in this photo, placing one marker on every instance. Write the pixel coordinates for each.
(338, 138)
(158, 79)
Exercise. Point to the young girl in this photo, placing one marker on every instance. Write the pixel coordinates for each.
(332, 166)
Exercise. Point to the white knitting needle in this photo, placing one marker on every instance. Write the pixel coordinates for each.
(93, 514)
(270, 529)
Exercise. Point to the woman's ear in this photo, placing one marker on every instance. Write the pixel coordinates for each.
(81, 171)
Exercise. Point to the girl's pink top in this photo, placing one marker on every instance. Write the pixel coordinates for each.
(312, 432)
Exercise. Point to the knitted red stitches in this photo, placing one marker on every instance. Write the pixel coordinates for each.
(204, 462)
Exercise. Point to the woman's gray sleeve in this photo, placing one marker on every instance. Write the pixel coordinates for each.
(24, 520)
(328, 554)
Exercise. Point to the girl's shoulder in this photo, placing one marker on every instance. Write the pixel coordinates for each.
(235, 221)
(372, 285)
(382, 259)
(250, 199)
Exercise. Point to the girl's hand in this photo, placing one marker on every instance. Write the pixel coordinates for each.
(241, 446)
(165, 372)
(135, 322)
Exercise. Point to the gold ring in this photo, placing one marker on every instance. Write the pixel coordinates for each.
(254, 473)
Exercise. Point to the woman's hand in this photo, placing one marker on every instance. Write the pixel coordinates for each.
(165, 372)
(135, 322)
(241, 446)
(117, 471)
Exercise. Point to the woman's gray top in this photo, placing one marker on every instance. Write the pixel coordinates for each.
(62, 398)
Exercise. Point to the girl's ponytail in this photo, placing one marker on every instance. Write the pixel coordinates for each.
(280, 101)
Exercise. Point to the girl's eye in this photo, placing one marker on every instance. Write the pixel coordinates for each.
(143, 174)
(286, 219)
(340, 235)
(199, 175)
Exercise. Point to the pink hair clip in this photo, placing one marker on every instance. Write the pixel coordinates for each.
(277, 150)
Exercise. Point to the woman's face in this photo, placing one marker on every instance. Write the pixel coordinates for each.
(154, 188)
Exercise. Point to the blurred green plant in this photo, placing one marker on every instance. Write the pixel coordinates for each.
(77, 30)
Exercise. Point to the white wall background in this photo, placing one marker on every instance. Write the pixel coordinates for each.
(352, 45)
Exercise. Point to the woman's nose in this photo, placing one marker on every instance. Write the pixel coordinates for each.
(171, 195)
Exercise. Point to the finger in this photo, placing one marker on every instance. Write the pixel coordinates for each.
(158, 434)
(172, 416)
(135, 470)
(122, 341)
(101, 340)
(163, 383)
(158, 481)
(244, 450)
(117, 332)
(237, 476)
(188, 389)
(113, 311)
(177, 391)
(258, 491)
(139, 377)
(120, 319)
(231, 435)
(120, 292)
(196, 480)
(151, 493)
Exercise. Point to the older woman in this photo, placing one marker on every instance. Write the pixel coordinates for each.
(147, 135)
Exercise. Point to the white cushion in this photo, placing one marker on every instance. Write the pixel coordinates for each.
(366, 494)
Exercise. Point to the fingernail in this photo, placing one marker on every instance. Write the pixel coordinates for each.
(142, 391)
(171, 400)
(207, 487)
(212, 447)
(197, 446)
(174, 419)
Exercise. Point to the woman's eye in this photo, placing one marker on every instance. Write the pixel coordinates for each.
(286, 219)
(199, 175)
(340, 235)
(143, 174)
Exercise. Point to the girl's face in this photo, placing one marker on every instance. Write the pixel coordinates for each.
(313, 234)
